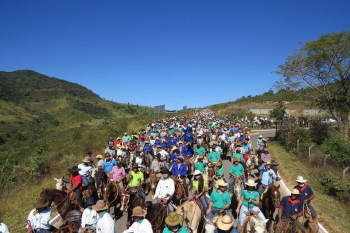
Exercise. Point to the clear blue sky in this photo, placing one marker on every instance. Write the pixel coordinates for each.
(171, 52)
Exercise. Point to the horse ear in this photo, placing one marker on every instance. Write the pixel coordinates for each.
(56, 179)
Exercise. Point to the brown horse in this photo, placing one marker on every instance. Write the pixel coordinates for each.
(179, 193)
(211, 170)
(130, 199)
(271, 201)
(111, 194)
(153, 184)
(62, 200)
(188, 162)
(156, 214)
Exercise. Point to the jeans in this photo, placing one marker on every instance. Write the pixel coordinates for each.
(85, 180)
(78, 195)
(203, 200)
(313, 212)
(170, 207)
(232, 181)
(242, 215)
(216, 210)
(285, 221)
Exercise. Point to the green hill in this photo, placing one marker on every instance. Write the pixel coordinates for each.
(47, 124)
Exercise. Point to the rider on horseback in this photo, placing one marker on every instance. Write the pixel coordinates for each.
(236, 171)
(165, 190)
(136, 180)
(248, 203)
(267, 177)
(85, 168)
(219, 200)
(198, 189)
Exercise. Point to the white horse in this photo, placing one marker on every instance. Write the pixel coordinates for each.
(191, 215)
(59, 183)
(210, 225)
(256, 225)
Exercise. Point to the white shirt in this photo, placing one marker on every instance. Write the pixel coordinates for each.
(164, 154)
(164, 187)
(40, 220)
(89, 217)
(119, 152)
(138, 160)
(105, 224)
(3, 228)
(84, 169)
(143, 227)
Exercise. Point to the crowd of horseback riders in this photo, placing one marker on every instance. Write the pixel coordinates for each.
(178, 163)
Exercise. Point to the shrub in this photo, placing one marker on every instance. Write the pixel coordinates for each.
(339, 150)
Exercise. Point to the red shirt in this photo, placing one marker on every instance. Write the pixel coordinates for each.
(78, 179)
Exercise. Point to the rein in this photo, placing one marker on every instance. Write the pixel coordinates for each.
(154, 228)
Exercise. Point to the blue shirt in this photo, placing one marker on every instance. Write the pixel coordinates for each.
(305, 192)
(174, 156)
(266, 178)
(181, 230)
(172, 142)
(290, 208)
(148, 149)
(182, 170)
(109, 165)
(187, 151)
(157, 142)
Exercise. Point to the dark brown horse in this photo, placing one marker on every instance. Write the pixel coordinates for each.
(153, 184)
(188, 162)
(271, 201)
(156, 214)
(62, 200)
(179, 193)
(224, 147)
(111, 194)
(130, 199)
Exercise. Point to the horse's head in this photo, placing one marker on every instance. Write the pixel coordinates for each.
(153, 181)
(257, 224)
(59, 183)
(275, 195)
(125, 201)
(105, 191)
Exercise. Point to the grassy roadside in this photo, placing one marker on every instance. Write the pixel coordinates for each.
(332, 214)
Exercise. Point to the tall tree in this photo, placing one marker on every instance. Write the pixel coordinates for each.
(324, 66)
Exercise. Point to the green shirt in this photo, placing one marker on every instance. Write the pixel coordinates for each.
(214, 156)
(181, 230)
(200, 151)
(220, 199)
(136, 179)
(238, 156)
(200, 166)
(195, 184)
(237, 170)
(220, 171)
(248, 195)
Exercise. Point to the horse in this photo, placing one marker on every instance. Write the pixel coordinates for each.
(100, 177)
(192, 216)
(156, 214)
(309, 222)
(211, 170)
(224, 148)
(62, 184)
(236, 195)
(62, 200)
(188, 164)
(111, 194)
(130, 199)
(153, 184)
(179, 193)
(253, 224)
(271, 199)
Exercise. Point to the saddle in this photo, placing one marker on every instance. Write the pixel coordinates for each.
(73, 218)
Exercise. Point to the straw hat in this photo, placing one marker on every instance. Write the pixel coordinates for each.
(86, 160)
(138, 211)
(135, 165)
(173, 148)
(300, 179)
(181, 142)
(100, 205)
(251, 183)
(197, 172)
(181, 158)
(295, 192)
(41, 203)
(221, 183)
(224, 222)
(235, 160)
(173, 219)
(99, 157)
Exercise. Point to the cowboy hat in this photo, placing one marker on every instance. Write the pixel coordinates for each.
(181, 142)
(75, 169)
(268, 163)
(199, 135)
(295, 192)
(173, 219)
(235, 160)
(181, 158)
(164, 171)
(300, 179)
(221, 183)
(135, 136)
(135, 165)
(118, 138)
(86, 160)
(173, 148)
(122, 147)
(197, 172)
(251, 183)
(119, 146)
(98, 156)
(260, 136)
(138, 211)
(147, 142)
(41, 203)
(100, 205)
(157, 137)
(224, 222)
(218, 164)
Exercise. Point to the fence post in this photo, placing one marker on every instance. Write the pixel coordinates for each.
(310, 151)
(298, 145)
(324, 160)
(344, 171)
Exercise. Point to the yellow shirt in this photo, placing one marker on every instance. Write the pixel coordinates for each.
(136, 179)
